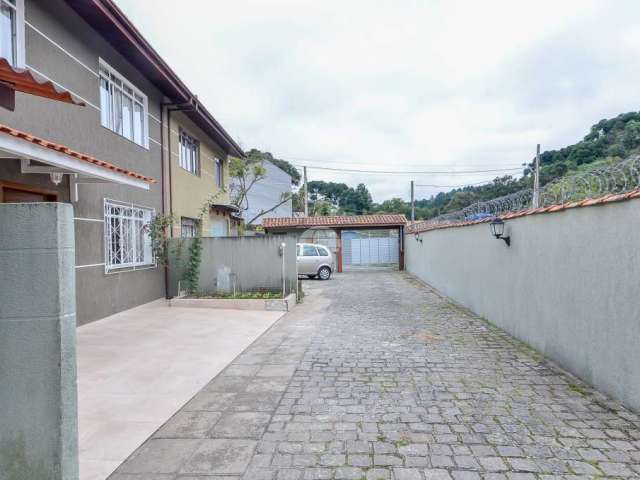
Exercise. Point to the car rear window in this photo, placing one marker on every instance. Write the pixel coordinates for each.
(323, 252)
(309, 251)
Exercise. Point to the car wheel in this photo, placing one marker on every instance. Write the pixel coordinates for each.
(324, 273)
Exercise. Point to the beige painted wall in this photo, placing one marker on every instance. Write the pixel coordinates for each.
(190, 192)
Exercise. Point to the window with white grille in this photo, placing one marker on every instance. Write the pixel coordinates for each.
(127, 241)
(123, 108)
(189, 156)
(188, 227)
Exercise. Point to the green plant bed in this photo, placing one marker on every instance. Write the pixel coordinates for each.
(239, 295)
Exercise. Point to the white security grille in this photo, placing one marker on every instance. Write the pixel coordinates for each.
(127, 242)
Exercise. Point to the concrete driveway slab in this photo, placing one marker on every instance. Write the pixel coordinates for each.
(137, 368)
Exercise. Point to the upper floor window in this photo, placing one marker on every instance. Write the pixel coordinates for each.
(219, 173)
(12, 31)
(189, 156)
(123, 108)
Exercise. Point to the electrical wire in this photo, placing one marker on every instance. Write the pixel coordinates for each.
(424, 172)
(484, 182)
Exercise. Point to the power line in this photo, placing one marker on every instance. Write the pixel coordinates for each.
(310, 163)
(424, 172)
(484, 182)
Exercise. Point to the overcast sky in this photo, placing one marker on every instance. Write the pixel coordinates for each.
(402, 85)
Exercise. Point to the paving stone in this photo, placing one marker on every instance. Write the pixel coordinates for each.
(406, 474)
(436, 474)
(492, 464)
(348, 473)
(276, 370)
(186, 424)
(378, 474)
(209, 401)
(465, 475)
(238, 370)
(220, 457)
(240, 425)
(332, 460)
(256, 402)
(227, 383)
(160, 456)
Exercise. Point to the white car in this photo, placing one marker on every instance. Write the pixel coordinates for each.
(314, 260)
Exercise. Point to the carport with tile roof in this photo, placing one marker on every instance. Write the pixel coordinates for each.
(298, 225)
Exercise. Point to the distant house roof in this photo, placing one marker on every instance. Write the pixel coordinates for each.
(335, 221)
(110, 22)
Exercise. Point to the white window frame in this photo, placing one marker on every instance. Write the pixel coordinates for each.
(132, 262)
(104, 68)
(187, 143)
(191, 225)
(219, 173)
(19, 32)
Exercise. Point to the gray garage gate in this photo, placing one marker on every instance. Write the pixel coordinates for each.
(370, 248)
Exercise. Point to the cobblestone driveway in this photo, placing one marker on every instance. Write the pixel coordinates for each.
(377, 377)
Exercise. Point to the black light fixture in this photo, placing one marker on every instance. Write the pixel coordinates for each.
(418, 237)
(497, 230)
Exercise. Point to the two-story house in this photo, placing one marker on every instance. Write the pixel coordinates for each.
(199, 181)
(119, 158)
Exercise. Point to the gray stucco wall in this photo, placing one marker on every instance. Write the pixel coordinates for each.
(38, 397)
(74, 66)
(254, 262)
(268, 192)
(569, 286)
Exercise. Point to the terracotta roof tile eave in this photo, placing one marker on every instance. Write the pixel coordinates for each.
(72, 153)
(359, 221)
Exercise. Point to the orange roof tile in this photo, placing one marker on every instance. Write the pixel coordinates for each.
(24, 80)
(72, 153)
(420, 227)
(336, 221)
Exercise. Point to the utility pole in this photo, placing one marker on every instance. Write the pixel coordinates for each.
(536, 180)
(413, 203)
(306, 193)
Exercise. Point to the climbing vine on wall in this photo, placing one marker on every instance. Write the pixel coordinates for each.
(159, 230)
(192, 269)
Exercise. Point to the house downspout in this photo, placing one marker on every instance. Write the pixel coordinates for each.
(163, 157)
(169, 107)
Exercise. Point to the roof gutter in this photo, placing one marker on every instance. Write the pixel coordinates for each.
(172, 86)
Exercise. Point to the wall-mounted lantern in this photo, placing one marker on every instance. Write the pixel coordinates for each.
(497, 230)
(418, 237)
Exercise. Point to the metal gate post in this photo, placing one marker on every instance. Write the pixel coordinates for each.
(339, 249)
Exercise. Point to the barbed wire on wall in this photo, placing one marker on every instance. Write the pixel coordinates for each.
(621, 177)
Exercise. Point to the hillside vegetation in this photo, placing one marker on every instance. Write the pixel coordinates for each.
(608, 141)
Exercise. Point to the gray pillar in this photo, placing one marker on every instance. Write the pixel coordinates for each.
(38, 392)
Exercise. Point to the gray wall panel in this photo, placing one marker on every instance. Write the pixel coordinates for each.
(254, 261)
(568, 286)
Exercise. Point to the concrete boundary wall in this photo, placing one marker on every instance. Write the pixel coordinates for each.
(254, 262)
(569, 286)
(38, 393)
